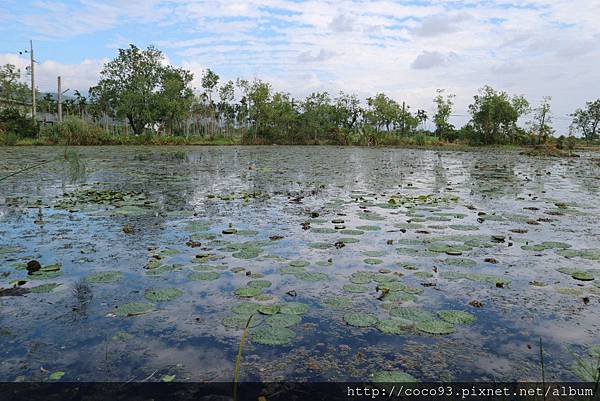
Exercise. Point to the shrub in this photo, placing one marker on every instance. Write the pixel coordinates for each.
(12, 121)
(75, 131)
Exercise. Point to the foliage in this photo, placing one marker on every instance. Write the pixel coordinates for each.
(138, 86)
(442, 114)
(74, 131)
(494, 116)
(587, 121)
(14, 123)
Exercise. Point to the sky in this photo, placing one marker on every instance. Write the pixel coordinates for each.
(406, 49)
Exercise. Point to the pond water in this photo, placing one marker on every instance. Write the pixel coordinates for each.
(353, 261)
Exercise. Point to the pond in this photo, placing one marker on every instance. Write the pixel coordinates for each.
(355, 263)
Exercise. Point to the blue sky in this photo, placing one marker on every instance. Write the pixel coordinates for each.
(406, 49)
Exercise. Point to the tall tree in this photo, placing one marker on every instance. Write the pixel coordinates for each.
(541, 125)
(494, 115)
(587, 121)
(443, 110)
(132, 86)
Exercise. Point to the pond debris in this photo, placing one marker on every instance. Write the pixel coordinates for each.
(33, 266)
(476, 304)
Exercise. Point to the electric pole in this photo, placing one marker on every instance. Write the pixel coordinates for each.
(59, 100)
(32, 62)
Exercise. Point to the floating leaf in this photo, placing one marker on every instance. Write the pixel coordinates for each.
(283, 320)
(239, 321)
(294, 308)
(104, 277)
(203, 276)
(248, 292)
(162, 294)
(360, 319)
(456, 316)
(44, 288)
(435, 327)
(133, 309)
(269, 309)
(337, 302)
(56, 375)
(355, 288)
(245, 308)
(272, 335)
(411, 313)
(394, 326)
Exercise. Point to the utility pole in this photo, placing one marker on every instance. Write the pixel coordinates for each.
(403, 117)
(59, 101)
(32, 62)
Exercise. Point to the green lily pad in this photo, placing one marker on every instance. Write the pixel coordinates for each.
(410, 313)
(311, 276)
(162, 294)
(259, 283)
(337, 302)
(583, 276)
(44, 288)
(283, 320)
(299, 263)
(320, 245)
(351, 232)
(355, 288)
(360, 319)
(323, 230)
(373, 261)
(56, 375)
(294, 308)
(395, 376)
(435, 327)
(203, 276)
(269, 309)
(369, 228)
(248, 292)
(104, 277)
(456, 316)
(272, 335)
(236, 321)
(394, 326)
(133, 309)
(462, 262)
(245, 308)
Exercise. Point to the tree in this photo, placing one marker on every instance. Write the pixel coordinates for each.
(136, 84)
(174, 100)
(494, 115)
(13, 92)
(226, 109)
(443, 110)
(422, 117)
(318, 115)
(383, 112)
(541, 125)
(347, 110)
(587, 121)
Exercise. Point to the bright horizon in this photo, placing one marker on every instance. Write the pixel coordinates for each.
(405, 49)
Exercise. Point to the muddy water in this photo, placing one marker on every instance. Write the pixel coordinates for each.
(363, 239)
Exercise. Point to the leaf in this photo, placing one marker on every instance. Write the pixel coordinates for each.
(56, 375)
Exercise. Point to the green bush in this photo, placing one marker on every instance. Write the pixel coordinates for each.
(75, 131)
(14, 122)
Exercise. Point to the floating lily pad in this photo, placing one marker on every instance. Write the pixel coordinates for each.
(436, 327)
(56, 375)
(245, 308)
(395, 376)
(373, 261)
(456, 316)
(338, 302)
(320, 245)
(583, 276)
(351, 232)
(44, 288)
(369, 228)
(239, 321)
(133, 309)
(348, 240)
(462, 262)
(323, 230)
(299, 263)
(294, 308)
(411, 313)
(248, 292)
(104, 277)
(355, 288)
(360, 319)
(394, 326)
(272, 335)
(162, 294)
(204, 276)
(259, 283)
(269, 309)
(283, 320)
(311, 276)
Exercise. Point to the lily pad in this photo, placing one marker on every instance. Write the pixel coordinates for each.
(239, 321)
(272, 335)
(203, 276)
(360, 319)
(44, 288)
(269, 309)
(355, 288)
(337, 302)
(373, 261)
(394, 326)
(294, 308)
(456, 316)
(248, 292)
(162, 294)
(245, 308)
(104, 277)
(410, 313)
(133, 309)
(436, 327)
(259, 283)
(283, 320)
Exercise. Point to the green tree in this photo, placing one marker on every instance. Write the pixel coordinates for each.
(383, 112)
(347, 110)
(587, 121)
(175, 97)
(134, 86)
(541, 124)
(13, 92)
(443, 110)
(495, 114)
(318, 115)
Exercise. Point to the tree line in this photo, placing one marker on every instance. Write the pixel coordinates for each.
(139, 90)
